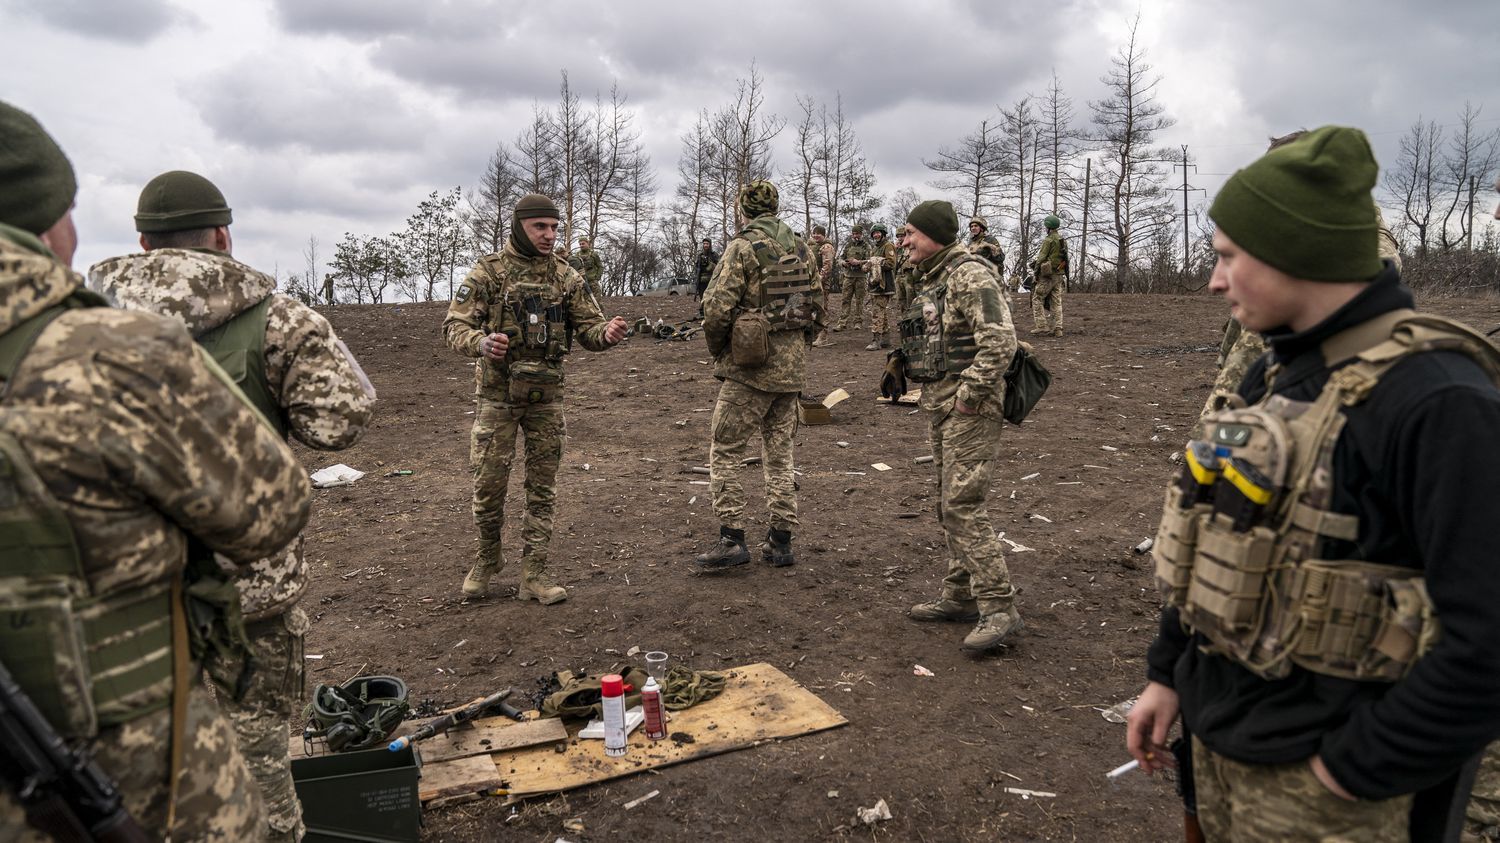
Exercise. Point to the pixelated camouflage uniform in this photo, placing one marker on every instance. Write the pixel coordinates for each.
(882, 289)
(477, 310)
(143, 445)
(1238, 801)
(822, 269)
(906, 274)
(1240, 348)
(964, 447)
(314, 382)
(588, 264)
(856, 277)
(986, 246)
(755, 401)
(1482, 819)
(1047, 293)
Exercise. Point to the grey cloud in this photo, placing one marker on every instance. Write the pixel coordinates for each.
(268, 103)
(127, 21)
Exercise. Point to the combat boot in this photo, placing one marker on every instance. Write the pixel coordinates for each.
(1040, 332)
(885, 343)
(874, 344)
(777, 548)
(1057, 332)
(536, 585)
(945, 609)
(487, 561)
(728, 552)
(822, 340)
(992, 630)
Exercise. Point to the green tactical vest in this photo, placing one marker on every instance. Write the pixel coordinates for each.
(861, 251)
(239, 347)
(84, 661)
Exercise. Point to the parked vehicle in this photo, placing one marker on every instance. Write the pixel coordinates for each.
(668, 287)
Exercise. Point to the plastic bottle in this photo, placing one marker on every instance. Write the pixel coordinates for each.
(656, 716)
(612, 691)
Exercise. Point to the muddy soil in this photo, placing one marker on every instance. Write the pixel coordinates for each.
(1078, 486)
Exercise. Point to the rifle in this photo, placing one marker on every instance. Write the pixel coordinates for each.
(472, 711)
(63, 791)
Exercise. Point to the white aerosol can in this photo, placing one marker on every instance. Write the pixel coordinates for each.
(612, 691)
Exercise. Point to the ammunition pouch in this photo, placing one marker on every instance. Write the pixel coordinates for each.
(534, 381)
(933, 352)
(359, 714)
(750, 340)
(1242, 556)
(546, 328)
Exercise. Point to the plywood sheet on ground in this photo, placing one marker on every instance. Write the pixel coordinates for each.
(910, 399)
(458, 776)
(759, 703)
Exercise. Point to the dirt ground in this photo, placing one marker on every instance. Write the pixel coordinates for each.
(1078, 484)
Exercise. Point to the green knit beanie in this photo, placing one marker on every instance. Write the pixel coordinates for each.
(534, 205)
(759, 198)
(936, 219)
(178, 200)
(37, 184)
(1306, 208)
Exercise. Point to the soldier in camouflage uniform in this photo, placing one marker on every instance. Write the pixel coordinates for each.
(519, 311)
(965, 406)
(301, 376)
(983, 244)
(906, 273)
(707, 260)
(882, 288)
(823, 260)
(761, 400)
(1051, 279)
(856, 274)
(142, 445)
(589, 265)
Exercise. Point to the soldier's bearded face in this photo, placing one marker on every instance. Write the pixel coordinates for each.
(1260, 296)
(542, 232)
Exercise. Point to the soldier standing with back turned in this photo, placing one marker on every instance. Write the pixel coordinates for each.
(519, 311)
(300, 375)
(766, 271)
(960, 356)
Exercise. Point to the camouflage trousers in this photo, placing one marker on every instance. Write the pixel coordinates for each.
(741, 413)
(852, 304)
(1240, 803)
(276, 695)
(1483, 814)
(964, 450)
(880, 315)
(216, 797)
(1047, 302)
(492, 448)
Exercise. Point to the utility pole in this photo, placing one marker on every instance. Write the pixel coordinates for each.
(1187, 252)
(1469, 220)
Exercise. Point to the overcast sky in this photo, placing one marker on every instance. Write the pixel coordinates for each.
(317, 117)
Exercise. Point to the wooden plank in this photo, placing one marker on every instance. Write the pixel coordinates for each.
(492, 734)
(458, 776)
(759, 703)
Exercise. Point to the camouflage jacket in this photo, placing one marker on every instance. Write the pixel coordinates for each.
(138, 437)
(706, 263)
(310, 373)
(987, 247)
(479, 308)
(1050, 256)
(588, 264)
(823, 258)
(906, 274)
(885, 285)
(737, 286)
(974, 305)
(856, 252)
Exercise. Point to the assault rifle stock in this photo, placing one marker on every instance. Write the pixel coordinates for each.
(63, 791)
(494, 703)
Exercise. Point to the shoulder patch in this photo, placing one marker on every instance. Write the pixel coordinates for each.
(463, 293)
(989, 303)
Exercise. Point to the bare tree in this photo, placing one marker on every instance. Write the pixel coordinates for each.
(610, 150)
(570, 141)
(973, 168)
(743, 131)
(1472, 155)
(848, 181)
(803, 181)
(695, 166)
(1019, 145)
(1059, 142)
(901, 203)
(1126, 122)
(488, 208)
(310, 276)
(638, 258)
(1416, 179)
(534, 158)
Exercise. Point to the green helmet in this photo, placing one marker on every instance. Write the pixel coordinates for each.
(880, 227)
(1051, 221)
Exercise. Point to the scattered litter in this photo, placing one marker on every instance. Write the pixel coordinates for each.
(1176, 456)
(1116, 713)
(1032, 476)
(400, 472)
(880, 466)
(842, 444)
(632, 652)
(1144, 546)
(574, 825)
(1071, 483)
(855, 473)
(833, 794)
(1027, 794)
(697, 482)
(918, 670)
(1122, 770)
(923, 460)
(682, 423)
(460, 643)
(634, 802)
(1014, 547)
(335, 475)
(1041, 517)
(878, 814)
(692, 500)
(313, 657)
(587, 467)
(1028, 708)
(1108, 448)
(1105, 467)
(750, 461)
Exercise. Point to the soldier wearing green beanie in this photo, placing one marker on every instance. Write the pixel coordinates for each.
(958, 341)
(1355, 460)
(518, 311)
(293, 367)
(136, 449)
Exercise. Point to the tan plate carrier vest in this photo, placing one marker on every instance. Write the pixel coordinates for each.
(1259, 594)
(932, 352)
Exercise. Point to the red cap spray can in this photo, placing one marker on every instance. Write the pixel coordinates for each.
(612, 691)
